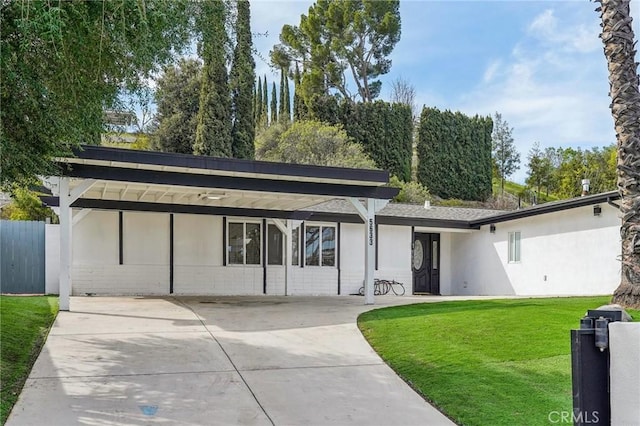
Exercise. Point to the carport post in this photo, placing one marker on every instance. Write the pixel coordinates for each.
(370, 252)
(65, 244)
(67, 196)
(368, 215)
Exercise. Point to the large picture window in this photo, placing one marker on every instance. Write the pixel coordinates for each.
(244, 243)
(274, 245)
(514, 247)
(295, 246)
(320, 245)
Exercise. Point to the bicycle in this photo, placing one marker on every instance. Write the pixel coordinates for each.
(383, 287)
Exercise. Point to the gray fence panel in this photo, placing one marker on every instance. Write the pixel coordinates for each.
(22, 257)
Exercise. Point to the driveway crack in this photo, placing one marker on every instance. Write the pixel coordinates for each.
(180, 302)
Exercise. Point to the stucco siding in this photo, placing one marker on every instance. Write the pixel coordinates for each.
(120, 279)
(313, 280)
(95, 239)
(145, 268)
(570, 252)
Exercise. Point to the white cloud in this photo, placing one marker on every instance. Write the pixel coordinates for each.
(578, 37)
(491, 70)
(552, 88)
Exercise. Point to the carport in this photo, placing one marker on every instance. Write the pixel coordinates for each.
(100, 178)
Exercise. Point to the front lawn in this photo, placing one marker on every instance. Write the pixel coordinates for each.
(24, 324)
(489, 362)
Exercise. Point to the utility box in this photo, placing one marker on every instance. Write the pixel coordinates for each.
(590, 368)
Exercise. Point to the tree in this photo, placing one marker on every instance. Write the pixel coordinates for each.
(299, 108)
(268, 139)
(410, 192)
(264, 120)
(274, 104)
(618, 39)
(63, 63)
(312, 142)
(242, 77)
(505, 156)
(340, 38)
(25, 205)
(384, 130)
(403, 92)
(177, 100)
(258, 104)
(539, 169)
(213, 132)
(454, 153)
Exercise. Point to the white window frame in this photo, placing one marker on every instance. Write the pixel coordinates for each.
(515, 247)
(321, 227)
(244, 223)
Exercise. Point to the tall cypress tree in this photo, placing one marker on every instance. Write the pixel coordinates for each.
(281, 112)
(259, 104)
(264, 120)
(254, 105)
(274, 104)
(287, 100)
(213, 131)
(299, 109)
(242, 79)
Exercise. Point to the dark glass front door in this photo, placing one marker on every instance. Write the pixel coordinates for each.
(426, 263)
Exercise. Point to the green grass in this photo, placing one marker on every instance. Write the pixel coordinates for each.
(490, 362)
(24, 324)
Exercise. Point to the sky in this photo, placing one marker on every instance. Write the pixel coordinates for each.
(538, 63)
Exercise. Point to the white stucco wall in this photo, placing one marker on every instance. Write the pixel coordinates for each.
(145, 268)
(197, 254)
(445, 264)
(394, 256)
(571, 252)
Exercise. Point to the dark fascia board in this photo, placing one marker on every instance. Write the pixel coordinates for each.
(90, 203)
(90, 152)
(141, 206)
(333, 217)
(549, 208)
(425, 222)
(121, 174)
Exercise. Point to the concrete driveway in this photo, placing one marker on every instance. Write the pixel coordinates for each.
(215, 361)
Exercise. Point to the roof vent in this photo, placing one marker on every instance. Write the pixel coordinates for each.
(427, 204)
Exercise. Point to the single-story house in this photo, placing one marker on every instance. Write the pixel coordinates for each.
(149, 223)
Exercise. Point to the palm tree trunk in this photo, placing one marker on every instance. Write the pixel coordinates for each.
(617, 37)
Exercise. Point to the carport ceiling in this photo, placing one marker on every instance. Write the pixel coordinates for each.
(126, 179)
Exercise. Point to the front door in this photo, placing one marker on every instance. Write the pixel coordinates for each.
(426, 263)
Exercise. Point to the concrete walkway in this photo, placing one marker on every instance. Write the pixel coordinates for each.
(215, 361)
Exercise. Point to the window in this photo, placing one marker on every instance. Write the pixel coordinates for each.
(514, 247)
(244, 243)
(434, 254)
(274, 245)
(328, 246)
(320, 245)
(312, 246)
(295, 246)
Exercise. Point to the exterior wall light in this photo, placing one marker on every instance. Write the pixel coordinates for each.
(597, 210)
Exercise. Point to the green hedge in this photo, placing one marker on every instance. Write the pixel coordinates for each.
(454, 154)
(384, 130)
